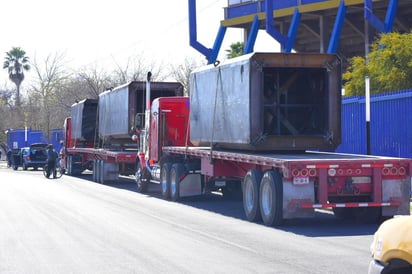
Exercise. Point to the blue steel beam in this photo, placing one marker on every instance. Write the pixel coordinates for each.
(288, 41)
(337, 28)
(390, 15)
(387, 25)
(270, 26)
(210, 54)
(250, 44)
(193, 30)
(293, 31)
(217, 45)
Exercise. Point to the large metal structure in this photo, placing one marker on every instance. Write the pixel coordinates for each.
(118, 108)
(268, 101)
(343, 27)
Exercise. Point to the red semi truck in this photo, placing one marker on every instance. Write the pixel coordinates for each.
(97, 134)
(257, 126)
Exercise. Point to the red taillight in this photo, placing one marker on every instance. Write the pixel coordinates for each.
(401, 171)
(295, 173)
(304, 172)
(312, 172)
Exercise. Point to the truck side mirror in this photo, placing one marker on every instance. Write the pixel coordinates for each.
(139, 121)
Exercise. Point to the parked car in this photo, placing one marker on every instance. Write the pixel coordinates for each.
(392, 247)
(34, 156)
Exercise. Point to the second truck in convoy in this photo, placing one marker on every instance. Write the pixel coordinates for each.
(255, 126)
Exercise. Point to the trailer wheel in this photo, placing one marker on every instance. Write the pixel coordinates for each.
(176, 172)
(142, 180)
(98, 171)
(70, 165)
(101, 177)
(94, 175)
(271, 198)
(250, 189)
(165, 180)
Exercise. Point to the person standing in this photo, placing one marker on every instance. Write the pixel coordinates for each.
(9, 157)
(52, 156)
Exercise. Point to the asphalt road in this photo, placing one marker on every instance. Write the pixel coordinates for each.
(73, 225)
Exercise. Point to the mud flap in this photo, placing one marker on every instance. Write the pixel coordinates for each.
(109, 172)
(294, 196)
(191, 185)
(396, 191)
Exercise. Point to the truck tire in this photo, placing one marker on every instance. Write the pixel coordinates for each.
(165, 180)
(94, 175)
(250, 189)
(101, 178)
(271, 198)
(176, 171)
(142, 179)
(97, 171)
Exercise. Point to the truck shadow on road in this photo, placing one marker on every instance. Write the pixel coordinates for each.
(324, 224)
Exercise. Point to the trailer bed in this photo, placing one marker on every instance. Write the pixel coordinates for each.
(117, 156)
(277, 159)
(315, 179)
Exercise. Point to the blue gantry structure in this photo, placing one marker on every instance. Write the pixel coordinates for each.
(343, 27)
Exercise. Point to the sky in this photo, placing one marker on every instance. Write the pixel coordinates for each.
(104, 33)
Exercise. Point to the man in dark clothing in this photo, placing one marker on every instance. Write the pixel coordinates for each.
(51, 161)
(9, 157)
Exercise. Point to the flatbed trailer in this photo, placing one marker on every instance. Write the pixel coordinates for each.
(292, 185)
(98, 132)
(106, 164)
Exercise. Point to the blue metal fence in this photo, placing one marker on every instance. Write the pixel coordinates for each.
(18, 138)
(391, 120)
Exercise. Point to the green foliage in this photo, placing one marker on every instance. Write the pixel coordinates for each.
(236, 49)
(389, 66)
(16, 62)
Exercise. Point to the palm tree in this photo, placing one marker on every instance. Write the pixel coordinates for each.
(236, 49)
(16, 62)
